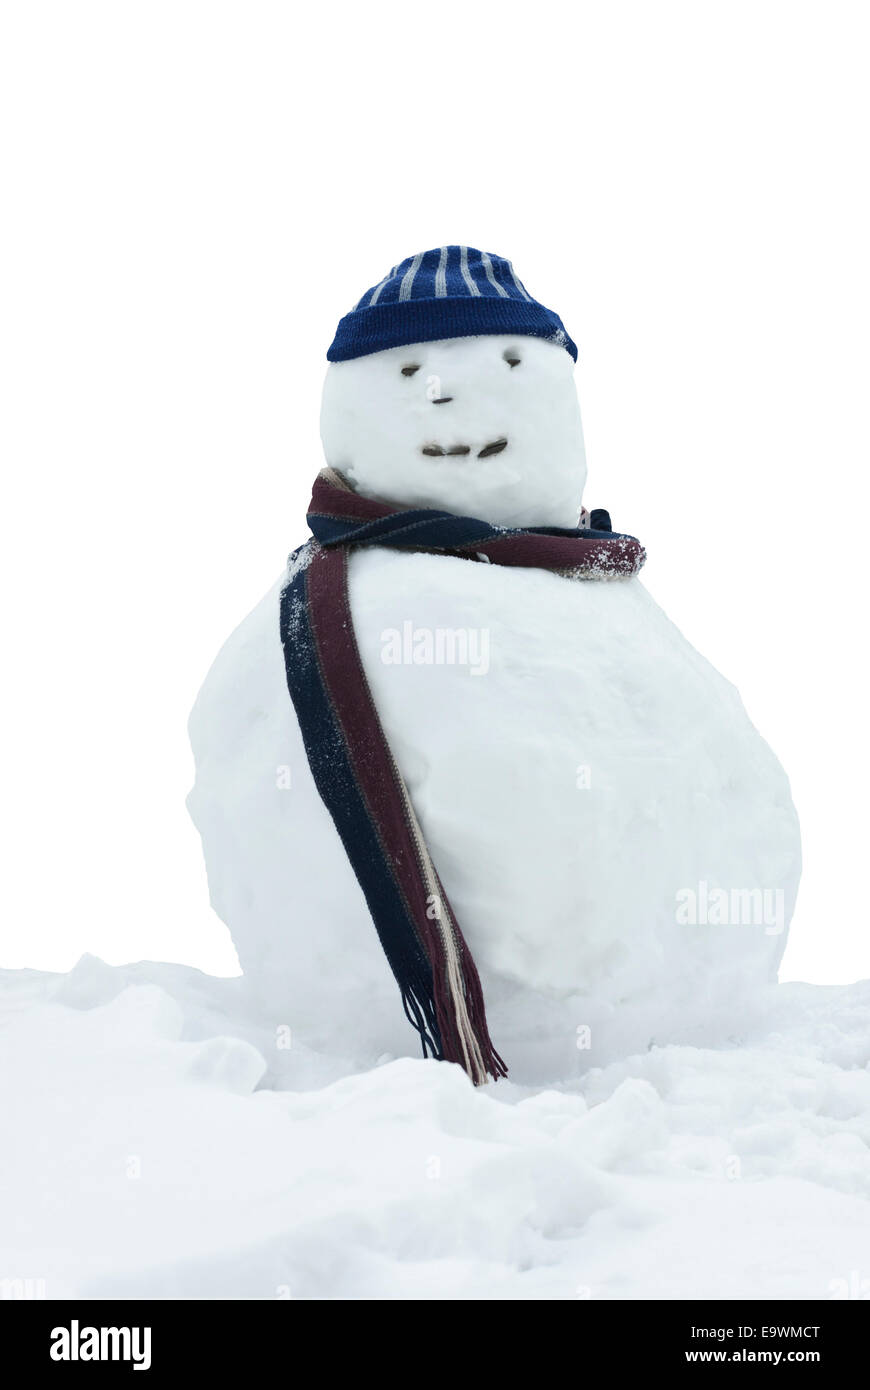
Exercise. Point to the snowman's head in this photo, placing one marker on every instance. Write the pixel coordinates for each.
(484, 424)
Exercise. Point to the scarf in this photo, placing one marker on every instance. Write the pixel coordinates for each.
(350, 758)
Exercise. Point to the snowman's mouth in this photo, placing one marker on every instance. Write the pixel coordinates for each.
(435, 451)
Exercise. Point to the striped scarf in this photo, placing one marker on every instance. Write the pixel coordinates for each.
(351, 762)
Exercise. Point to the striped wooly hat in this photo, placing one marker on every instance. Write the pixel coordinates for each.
(450, 292)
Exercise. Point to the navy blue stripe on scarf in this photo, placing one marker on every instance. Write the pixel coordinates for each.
(329, 758)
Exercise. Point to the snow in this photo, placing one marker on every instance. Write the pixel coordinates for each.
(170, 1145)
(374, 423)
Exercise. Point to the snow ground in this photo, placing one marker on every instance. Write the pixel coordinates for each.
(149, 1160)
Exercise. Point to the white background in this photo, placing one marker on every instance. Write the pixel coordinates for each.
(195, 193)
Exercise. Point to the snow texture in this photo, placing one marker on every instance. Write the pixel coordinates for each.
(169, 1144)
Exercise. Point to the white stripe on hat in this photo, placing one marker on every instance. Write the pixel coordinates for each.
(408, 277)
(520, 286)
(378, 288)
(441, 275)
(487, 265)
(466, 274)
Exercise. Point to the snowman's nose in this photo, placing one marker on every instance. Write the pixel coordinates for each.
(442, 400)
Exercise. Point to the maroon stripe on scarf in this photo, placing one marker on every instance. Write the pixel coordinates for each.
(329, 500)
(353, 703)
(623, 556)
(378, 780)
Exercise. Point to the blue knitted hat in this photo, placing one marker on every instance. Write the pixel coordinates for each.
(451, 292)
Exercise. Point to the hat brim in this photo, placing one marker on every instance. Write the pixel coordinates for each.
(398, 324)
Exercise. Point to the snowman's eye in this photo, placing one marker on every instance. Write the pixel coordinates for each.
(409, 371)
(511, 357)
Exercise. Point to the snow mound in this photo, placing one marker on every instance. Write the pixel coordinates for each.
(171, 1144)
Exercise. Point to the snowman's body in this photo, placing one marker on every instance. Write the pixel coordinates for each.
(585, 781)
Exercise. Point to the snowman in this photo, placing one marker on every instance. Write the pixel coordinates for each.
(460, 782)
